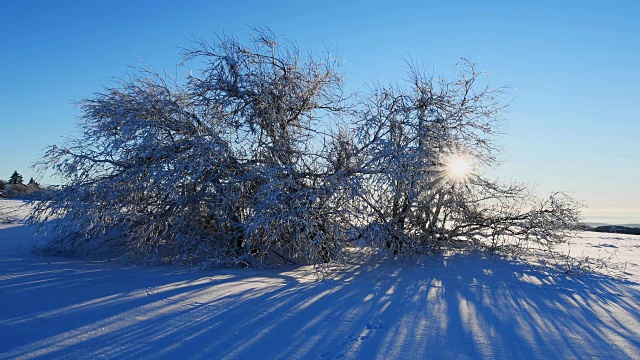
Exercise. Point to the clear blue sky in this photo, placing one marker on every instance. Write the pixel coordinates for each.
(573, 68)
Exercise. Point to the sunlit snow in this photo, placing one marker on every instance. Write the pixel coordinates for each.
(450, 307)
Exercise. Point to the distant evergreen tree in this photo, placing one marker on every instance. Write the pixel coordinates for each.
(34, 183)
(3, 187)
(16, 178)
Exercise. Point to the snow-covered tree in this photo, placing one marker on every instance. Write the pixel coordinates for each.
(422, 147)
(278, 103)
(224, 167)
(260, 154)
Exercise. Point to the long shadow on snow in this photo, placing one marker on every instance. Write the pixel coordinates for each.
(460, 307)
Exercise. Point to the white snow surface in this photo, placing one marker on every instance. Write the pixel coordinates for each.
(453, 307)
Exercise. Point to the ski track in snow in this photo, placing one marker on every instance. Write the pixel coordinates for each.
(450, 308)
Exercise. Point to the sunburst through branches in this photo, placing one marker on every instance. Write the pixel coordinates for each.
(458, 168)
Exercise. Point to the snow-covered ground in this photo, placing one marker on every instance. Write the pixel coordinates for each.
(450, 308)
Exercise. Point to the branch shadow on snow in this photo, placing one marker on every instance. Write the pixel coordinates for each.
(458, 307)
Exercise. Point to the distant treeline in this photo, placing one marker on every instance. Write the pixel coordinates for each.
(617, 229)
(15, 188)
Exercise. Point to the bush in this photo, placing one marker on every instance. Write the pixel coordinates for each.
(260, 153)
(21, 191)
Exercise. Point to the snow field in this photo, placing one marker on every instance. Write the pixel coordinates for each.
(453, 307)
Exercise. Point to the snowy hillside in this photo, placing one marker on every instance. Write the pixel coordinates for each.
(449, 307)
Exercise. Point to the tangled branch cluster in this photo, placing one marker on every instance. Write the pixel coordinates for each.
(261, 153)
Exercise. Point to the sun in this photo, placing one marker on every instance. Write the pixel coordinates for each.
(458, 168)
